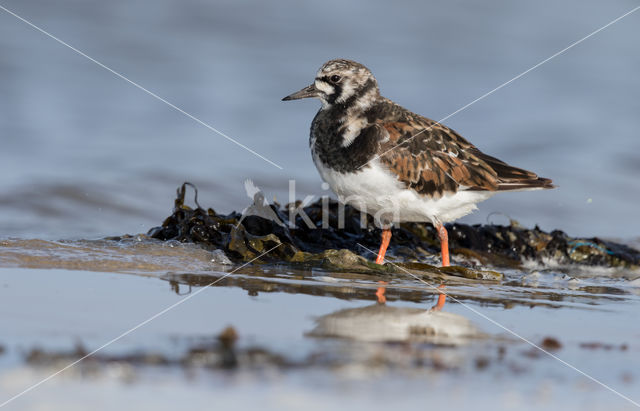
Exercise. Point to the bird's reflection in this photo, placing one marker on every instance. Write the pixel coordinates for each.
(384, 323)
(382, 299)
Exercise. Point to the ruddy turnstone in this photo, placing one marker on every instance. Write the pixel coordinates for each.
(394, 164)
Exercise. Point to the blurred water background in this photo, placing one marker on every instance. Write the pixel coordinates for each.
(84, 154)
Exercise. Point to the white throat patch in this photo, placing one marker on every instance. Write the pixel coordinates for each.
(324, 87)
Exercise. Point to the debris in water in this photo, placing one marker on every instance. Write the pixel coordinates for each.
(551, 344)
(603, 346)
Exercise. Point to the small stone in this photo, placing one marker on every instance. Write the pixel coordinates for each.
(550, 344)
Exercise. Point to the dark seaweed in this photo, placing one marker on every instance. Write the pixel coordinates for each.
(495, 245)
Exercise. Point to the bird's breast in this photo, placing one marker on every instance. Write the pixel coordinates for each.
(335, 143)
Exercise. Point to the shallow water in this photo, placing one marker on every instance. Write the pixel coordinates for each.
(335, 346)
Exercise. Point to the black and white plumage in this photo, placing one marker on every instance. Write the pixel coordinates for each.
(394, 164)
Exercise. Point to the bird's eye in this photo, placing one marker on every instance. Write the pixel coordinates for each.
(335, 78)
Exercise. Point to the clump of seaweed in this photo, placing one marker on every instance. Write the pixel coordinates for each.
(244, 238)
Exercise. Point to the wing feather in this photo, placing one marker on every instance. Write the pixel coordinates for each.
(433, 159)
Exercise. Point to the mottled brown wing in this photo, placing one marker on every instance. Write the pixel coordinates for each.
(433, 159)
(513, 178)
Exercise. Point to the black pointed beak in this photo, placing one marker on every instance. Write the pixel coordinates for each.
(307, 92)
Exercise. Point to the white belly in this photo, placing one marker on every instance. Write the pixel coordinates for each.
(376, 191)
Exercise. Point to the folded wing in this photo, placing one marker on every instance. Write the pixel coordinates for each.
(433, 159)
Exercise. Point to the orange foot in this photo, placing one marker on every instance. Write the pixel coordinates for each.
(444, 244)
(386, 237)
(380, 292)
(441, 300)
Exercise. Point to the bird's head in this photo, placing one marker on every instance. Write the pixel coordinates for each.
(340, 82)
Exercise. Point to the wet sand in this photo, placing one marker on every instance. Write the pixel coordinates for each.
(303, 336)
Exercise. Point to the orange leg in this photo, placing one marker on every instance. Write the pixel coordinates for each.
(380, 292)
(441, 300)
(444, 244)
(386, 237)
